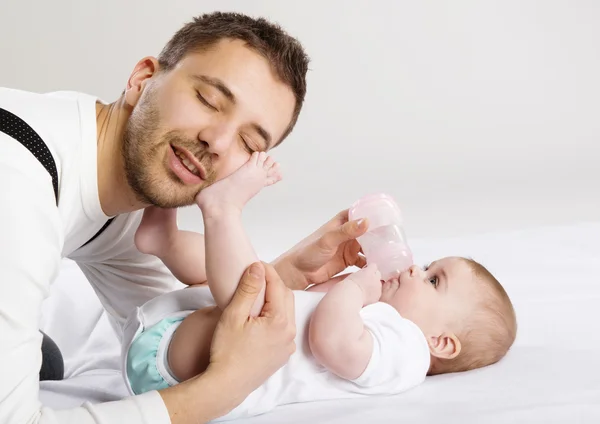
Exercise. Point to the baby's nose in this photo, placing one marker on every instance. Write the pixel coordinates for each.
(413, 271)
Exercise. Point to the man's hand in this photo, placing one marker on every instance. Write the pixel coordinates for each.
(245, 350)
(325, 253)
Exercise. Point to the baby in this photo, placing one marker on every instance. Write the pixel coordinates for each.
(356, 335)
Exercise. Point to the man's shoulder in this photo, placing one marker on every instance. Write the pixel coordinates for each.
(61, 119)
(15, 96)
(44, 110)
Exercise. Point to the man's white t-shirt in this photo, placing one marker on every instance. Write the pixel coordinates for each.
(35, 235)
(399, 362)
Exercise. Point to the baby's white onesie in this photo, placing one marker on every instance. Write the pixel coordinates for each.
(400, 358)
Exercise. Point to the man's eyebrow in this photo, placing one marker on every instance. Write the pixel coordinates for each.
(218, 84)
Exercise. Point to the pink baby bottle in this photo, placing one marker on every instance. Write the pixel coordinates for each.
(384, 244)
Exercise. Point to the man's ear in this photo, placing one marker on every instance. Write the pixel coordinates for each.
(444, 346)
(145, 69)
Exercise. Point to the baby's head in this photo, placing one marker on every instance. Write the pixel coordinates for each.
(464, 312)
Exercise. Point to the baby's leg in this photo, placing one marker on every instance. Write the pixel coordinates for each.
(181, 251)
(228, 249)
(189, 350)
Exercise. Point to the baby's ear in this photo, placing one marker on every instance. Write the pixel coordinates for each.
(444, 346)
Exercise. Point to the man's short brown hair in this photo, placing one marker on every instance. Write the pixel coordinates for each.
(285, 54)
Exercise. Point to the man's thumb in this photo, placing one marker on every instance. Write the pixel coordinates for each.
(247, 291)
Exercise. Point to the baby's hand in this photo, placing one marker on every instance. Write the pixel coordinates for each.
(389, 289)
(369, 280)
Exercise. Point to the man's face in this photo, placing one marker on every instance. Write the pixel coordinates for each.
(201, 121)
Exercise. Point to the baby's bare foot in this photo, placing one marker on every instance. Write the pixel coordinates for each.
(369, 280)
(234, 191)
(156, 230)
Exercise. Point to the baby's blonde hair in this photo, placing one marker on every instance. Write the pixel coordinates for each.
(489, 328)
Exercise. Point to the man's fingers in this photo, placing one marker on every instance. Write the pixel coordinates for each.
(275, 293)
(342, 216)
(279, 301)
(290, 306)
(361, 262)
(352, 255)
(247, 291)
(349, 231)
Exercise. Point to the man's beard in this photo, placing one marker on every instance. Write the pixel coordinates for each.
(144, 151)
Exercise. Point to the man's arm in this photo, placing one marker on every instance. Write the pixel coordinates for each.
(244, 351)
(30, 250)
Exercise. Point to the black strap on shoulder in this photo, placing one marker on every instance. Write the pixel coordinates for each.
(18, 129)
(99, 232)
(15, 127)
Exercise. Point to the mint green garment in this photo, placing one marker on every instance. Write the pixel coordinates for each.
(142, 370)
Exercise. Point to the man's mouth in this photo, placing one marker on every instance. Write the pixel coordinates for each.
(190, 162)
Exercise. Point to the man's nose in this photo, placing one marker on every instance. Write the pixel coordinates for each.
(217, 140)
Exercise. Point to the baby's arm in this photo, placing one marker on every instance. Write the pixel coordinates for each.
(337, 335)
(327, 285)
(181, 251)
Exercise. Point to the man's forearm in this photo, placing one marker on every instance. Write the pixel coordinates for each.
(292, 278)
(30, 227)
(201, 399)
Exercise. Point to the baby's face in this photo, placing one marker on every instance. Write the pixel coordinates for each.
(434, 298)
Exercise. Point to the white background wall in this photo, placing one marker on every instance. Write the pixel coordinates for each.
(476, 115)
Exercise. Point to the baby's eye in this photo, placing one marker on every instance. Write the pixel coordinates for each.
(434, 281)
(425, 267)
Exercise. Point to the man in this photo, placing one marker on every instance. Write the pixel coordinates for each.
(76, 175)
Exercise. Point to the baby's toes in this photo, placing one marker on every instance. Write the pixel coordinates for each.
(272, 167)
(262, 156)
(269, 162)
(274, 177)
(254, 158)
(274, 170)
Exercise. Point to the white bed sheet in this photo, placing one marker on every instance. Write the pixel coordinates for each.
(550, 376)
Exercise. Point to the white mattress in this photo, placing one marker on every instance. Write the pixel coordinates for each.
(550, 376)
